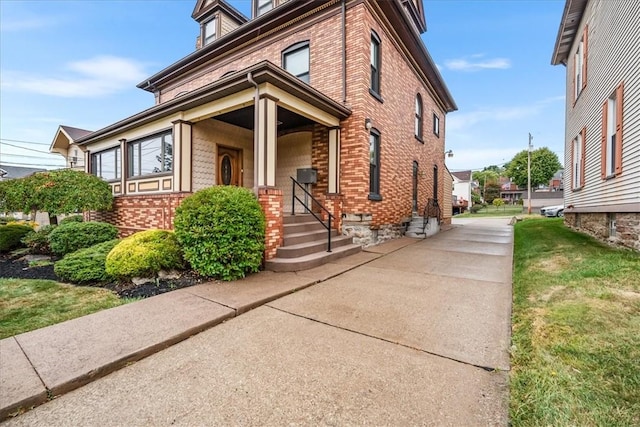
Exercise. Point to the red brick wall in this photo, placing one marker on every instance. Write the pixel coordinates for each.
(140, 212)
(271, 200)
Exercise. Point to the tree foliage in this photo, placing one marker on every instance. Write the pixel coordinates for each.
(491, 192)
(56, 192)
(544, 164)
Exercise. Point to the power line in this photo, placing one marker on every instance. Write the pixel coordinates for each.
(31, 164)
(25, 148)
(23, 155)
(24, 142)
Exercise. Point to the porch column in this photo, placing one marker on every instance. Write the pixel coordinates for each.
(181, 156)
(334, 161)
(267, 140)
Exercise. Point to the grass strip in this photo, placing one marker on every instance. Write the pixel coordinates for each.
(27, 304)
(575, 357)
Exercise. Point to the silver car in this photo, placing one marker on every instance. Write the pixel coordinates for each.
(552, 211)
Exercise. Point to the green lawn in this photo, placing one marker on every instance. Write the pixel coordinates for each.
(576, 330)
(509, 210)
(26, 305)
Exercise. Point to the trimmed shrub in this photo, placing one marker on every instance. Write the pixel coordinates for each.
(144, 254)
(11, 236)
(72, 218)
(86, 265)
(221, 230)
(476, 208)
(38, 242)
(72, 236)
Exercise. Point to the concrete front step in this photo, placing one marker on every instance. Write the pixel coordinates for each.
(312, 260)
(307, 236)
(300, 227)
(302, 249)
(294, 219)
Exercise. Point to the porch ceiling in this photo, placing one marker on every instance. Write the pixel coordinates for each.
(287, 120)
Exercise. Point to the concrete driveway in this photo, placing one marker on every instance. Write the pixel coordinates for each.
(419, 336)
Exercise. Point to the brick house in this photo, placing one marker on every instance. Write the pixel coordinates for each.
(597, 42)
(343, 87)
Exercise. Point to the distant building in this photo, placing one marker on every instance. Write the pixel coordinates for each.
(597, 42)
(12, 172)
(462, 184)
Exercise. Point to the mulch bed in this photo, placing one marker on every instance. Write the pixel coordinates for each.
(19, 269)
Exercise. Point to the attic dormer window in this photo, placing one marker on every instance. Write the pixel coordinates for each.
(209, 31)
(263, 6)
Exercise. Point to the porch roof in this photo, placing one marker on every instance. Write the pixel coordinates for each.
(262, 72)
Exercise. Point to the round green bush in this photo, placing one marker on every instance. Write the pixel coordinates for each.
(144, 254)
(11, 236)
(70, 237)
(38, 242)
(221, 230)
(86, 265)
(72, 218)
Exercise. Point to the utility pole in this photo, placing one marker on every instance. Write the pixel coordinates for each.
(529, 174)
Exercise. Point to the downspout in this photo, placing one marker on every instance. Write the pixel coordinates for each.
(256, 100)
(344, 52)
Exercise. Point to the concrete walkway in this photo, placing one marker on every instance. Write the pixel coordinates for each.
(409, 332)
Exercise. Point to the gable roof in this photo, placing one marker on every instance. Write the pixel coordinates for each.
(462, 175)
(66, 135)
(571, 17)
(415, 10)
(206, 7)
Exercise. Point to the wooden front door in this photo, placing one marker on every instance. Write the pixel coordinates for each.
(229, 166)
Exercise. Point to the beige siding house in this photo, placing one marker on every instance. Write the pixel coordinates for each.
(599, 44)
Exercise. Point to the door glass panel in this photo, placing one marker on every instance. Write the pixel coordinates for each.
(225, 170)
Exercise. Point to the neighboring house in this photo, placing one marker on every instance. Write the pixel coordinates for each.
(343, 87)
(64, 143)
(556, 183)
(509, 191)
(462, 185)
(12, 172)
(597, 42)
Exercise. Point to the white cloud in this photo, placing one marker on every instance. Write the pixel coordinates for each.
(27, 24)
(95, 77)
(476, 63)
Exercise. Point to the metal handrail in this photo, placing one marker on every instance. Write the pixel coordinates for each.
(308, 209)
(431, 207)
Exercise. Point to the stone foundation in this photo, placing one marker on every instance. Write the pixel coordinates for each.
(627, 227)
(359, 227)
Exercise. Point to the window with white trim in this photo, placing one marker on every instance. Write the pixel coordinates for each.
(295, 59)
(263, 6)
(612, 137)
(106, 164)
(151, 155)
(578, 160)
(209, 31)
(580, 66)
(418, 118)
(436, 125)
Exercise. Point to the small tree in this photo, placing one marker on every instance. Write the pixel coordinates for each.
(544, 164)
(497, 202)
(56, 192)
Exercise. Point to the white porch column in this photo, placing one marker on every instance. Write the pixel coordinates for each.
(267, 140)
(181, 156)
(334, 161)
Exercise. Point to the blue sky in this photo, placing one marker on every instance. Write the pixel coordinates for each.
(77, 63)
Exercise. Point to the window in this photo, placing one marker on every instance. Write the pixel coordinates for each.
(209, 31)
(151, 155)
(418, 118)
(375, 64)
(578, 159)
(374, 165)
(295, 59)
(106, 164)
(580, 66)
(263, 6)
(436, 125)
(611, 158)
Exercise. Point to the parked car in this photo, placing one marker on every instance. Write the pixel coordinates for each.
(552, 211)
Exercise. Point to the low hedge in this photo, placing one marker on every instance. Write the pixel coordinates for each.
(11, 236)
(222, 231)
(86, 265)
(72, 218)
(72, 236)
(144, 254)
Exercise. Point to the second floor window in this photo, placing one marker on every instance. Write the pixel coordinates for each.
(106, 164)
(436, 125)
(612, 134)
(375, 63)
(580, 66)
(295, 59)
(418, 118)
(209, 31)
(151, 155)
(263, 6)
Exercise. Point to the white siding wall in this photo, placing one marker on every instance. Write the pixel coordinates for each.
(613, 57)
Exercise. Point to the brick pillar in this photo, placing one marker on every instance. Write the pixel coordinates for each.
(271, 200)
(333, 203)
